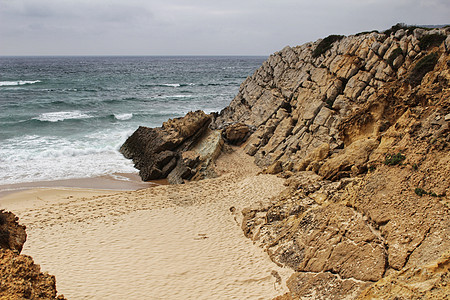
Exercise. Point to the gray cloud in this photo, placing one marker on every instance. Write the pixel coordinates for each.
(196, 27)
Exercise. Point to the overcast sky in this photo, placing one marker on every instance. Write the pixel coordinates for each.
(195, 27)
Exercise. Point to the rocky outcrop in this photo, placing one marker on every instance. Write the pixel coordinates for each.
(431, 281)
(236, 134)
(12, 234)
(298, 102)
(20, 278)
(166, 152)
(361, 132)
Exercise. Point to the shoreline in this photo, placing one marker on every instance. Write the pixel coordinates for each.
(118, 182)
(171, 241)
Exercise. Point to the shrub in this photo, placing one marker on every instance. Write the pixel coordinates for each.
(424, 66)
(396, 53)
(394, 159)
(431, 40)
(420, 192)
(326, 44)
(366, 32)
(396, 27)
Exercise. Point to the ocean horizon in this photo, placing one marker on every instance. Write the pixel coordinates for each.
(65, 117)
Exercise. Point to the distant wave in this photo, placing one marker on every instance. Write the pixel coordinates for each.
(168, 84)
(61, 116)
(18, 82)
(123, 117)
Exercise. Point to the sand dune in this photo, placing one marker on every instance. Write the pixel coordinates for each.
(167, 242)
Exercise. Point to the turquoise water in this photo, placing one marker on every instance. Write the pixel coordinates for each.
(66, 117)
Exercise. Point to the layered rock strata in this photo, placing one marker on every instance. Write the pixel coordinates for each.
(362, 133)
(20, 278)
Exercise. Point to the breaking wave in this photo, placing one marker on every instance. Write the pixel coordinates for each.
(18, 82)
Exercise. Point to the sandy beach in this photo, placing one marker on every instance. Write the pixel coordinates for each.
(164, 242)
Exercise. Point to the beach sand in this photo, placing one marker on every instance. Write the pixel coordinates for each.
(165, 242)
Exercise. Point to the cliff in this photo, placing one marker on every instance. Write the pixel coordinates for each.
(360, 126)
(20, 278)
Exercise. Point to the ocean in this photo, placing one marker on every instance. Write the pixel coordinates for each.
(66, 117)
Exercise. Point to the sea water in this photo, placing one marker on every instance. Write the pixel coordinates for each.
(66, 117)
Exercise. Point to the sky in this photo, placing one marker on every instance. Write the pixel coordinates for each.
(196, 27)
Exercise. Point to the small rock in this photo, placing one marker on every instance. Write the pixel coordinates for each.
(236, 134)
(447, 117)
(274, 168)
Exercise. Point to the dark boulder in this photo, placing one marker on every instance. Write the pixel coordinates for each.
(156, 152)
(12, 234)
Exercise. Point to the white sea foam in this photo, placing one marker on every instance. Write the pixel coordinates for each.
(123, 117)
(36, 158)
(18, 82)
(177, 84)
(173, 96)
(61, 116)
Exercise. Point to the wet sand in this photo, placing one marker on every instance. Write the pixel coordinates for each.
(115, 182)
(165, 242)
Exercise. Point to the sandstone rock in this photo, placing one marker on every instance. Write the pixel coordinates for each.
(12, 235)
(236, 134)
(424, 282)
(352, 104)
(20, 278)
(274, 168)
(302, 284)
(315, 156)
(356, 155)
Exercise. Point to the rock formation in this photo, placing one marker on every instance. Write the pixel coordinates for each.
(12, 234)
(167, 151)
(361, 129)
(20, 278)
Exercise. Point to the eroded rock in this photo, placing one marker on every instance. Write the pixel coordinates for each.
(20, 278)
(158, 152)
(12, 234)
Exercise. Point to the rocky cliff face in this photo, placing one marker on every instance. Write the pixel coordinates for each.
(360, 126)
(20, 278)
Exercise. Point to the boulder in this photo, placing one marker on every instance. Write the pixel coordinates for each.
(12, 234)
(236, 134)
(349, 161)
(156, 152)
